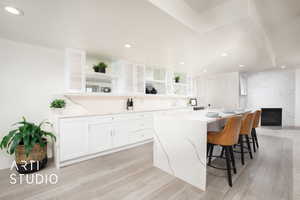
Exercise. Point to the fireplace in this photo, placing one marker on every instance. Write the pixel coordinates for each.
(271, 117)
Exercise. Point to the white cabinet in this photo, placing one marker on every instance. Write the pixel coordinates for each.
(73, 138)
(243, 84)
(88, 136)
(74, 70)
(99, 137)
(139, 79)
(120, 134)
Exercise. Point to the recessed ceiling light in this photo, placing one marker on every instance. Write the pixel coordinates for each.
(242, 65)
(205, 70)
(224, 54)
(283, 67)
(182, 63)
(127, 46)
(13, 10)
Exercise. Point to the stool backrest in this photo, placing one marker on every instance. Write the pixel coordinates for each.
(231, 130)
(256, 118)
(247, 123)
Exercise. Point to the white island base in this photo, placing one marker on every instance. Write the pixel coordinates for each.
(180, 148)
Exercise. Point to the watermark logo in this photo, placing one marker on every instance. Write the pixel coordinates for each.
(34, 178)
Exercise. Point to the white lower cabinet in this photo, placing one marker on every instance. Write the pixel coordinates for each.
(99, 137)
(91, 135)
(73, 138)
(121, 134)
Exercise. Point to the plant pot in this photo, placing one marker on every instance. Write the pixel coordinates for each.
(176, 80)
(35, 161)
(58, 111)
(100, 70)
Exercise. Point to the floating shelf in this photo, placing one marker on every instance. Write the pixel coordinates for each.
(180, 84)
(100, 76)
(156, 81)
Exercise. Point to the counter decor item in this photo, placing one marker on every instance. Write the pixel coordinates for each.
(100, 68)
(57, 106)
(177, 79)
(106, 89)
(58, 103)
(193, 102)
(29, 144)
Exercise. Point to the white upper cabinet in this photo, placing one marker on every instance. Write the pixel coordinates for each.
(122, 78)
(243, 84)
(170, 81)
(74, 66)
(139, 79)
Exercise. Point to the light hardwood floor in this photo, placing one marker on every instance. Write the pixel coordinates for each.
(130, 175)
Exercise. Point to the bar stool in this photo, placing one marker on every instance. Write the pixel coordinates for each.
(226, 139)
(247, 124)
(253, 132)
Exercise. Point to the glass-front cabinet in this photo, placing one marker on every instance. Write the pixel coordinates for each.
(122, 77)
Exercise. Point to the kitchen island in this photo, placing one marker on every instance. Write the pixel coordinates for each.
(180, 143)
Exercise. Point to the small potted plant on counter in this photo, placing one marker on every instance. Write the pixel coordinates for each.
(58, 105)
(29, 144)
(100, 68)
(177, 78)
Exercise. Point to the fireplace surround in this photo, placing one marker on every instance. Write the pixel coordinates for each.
(271, 117)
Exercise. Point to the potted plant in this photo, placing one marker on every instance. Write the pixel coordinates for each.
(177, 78)
(101, 67)
(29, 144)
(58, 105)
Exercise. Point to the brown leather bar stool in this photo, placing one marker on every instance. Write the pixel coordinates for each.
(253, 132)
(226, 139)
(247, 124)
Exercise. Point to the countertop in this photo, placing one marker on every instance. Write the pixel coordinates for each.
(75, 115)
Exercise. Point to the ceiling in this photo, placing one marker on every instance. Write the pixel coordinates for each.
(259, 34)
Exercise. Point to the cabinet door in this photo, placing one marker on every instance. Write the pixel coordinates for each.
(73, 138)
(74, 70)
(170, 81)
(99, 137)
(190, 89)
(121, 134)
(139, 79)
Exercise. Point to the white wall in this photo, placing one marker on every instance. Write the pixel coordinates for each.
(220, 90)
(273, 89)
(297, 114)
(29, 76)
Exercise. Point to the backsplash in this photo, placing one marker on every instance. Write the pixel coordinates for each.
(109, 105)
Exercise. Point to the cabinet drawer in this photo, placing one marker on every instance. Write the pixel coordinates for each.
(101, 120)
(141, 135)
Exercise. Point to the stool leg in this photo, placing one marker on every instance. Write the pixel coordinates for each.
(227, 155)
(253, 139)
(207, 149)
(210, 153)
(249, 146)
(242, 149)
(222, 152)
(232, 159)
(255, 135)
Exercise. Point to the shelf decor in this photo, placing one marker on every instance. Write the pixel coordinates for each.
(100, 68)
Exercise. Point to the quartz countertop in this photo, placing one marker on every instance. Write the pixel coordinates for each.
(88, 114)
